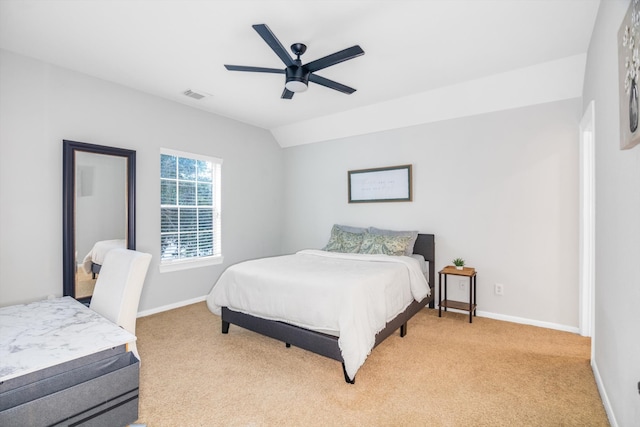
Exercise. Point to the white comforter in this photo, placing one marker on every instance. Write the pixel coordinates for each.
(352, 294)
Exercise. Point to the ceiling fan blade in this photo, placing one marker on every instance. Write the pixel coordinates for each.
(331, 84)
(334, 58)
(274, 44)
(287, 94)
(254, 69)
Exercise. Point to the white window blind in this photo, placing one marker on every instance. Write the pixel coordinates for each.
(190, 211)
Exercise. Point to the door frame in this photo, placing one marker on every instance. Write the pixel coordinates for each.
(587, 221)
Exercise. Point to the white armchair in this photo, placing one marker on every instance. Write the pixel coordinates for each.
(118, 288)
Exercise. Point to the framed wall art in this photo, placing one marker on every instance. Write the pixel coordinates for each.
(628, 76)
(390, 184)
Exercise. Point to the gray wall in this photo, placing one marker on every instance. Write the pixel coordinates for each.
(499, 190)
(617, 293)
(43, 104)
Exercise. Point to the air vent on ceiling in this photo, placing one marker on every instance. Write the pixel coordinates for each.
(195, 95)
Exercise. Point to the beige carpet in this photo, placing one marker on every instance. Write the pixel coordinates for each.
(445, 372)
(85, 283)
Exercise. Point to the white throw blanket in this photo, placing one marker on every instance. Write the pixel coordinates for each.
(99, 250)
(353, 294)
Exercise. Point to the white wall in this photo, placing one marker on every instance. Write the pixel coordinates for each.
(42, 104)
(617, 293)
(499, 190)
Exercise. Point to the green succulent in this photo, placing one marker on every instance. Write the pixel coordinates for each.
(458, 262)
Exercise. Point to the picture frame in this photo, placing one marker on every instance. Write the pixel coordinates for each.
(629, 77)
(387, 184)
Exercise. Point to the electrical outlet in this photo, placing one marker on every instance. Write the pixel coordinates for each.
(499, 289)
(461, 284)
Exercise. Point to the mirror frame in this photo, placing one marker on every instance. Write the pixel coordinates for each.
(69, 150)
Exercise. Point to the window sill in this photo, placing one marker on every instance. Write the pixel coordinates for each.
(169, 266)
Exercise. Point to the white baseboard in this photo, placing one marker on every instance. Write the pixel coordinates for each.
(513, 319)
(603, 395)
(171, 306)
(522, 320)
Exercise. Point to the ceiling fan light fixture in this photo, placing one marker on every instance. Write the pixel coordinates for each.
(296, 86)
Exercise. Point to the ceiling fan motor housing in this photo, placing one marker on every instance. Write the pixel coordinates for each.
(297, 74)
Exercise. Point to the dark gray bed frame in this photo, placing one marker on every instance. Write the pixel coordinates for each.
(95, 269)
(327, 345)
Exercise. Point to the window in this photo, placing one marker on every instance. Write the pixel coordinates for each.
(189, 210)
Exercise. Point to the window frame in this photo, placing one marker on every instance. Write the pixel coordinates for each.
(168, 265)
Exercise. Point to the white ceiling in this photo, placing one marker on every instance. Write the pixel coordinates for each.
(168, 46)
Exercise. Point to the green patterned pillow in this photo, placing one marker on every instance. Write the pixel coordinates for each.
(387, 245)
(344, 241)
(412, 234)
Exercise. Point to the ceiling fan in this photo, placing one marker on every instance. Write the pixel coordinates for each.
(297, 75)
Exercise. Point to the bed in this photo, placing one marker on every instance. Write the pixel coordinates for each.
(326, 342)
(94, 259)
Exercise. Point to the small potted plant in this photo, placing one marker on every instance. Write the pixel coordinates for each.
(459, 263)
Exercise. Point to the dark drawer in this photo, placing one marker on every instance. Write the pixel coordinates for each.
(99, 390)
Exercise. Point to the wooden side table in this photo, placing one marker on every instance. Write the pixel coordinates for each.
(445, 303)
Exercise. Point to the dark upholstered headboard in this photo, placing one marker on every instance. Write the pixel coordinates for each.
(425, 246)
